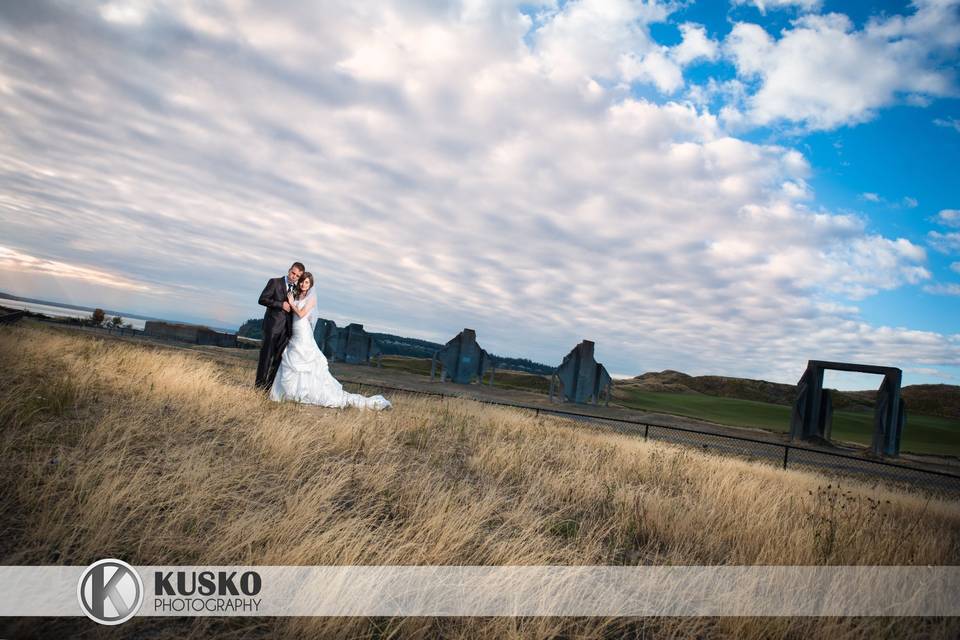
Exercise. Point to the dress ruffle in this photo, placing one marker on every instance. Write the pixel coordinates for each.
(304, 376)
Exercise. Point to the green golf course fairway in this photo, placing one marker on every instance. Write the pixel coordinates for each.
(921, 434)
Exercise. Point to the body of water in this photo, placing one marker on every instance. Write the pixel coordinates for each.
(63, 312)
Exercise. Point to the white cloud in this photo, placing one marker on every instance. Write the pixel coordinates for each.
(944, 242)
(797, 190)
(949, 123)
(955, 266)
(906, 201)
(763, 5)
(869, 264)
(38, 269)
(728, 93)
(943, 289)
(948, 217)
(435, 168)
(824, 73)
(930, 371)
(695, 45)
(610, 40)
(129, 12)
(749, 45)
(591, 38)
(654, 67)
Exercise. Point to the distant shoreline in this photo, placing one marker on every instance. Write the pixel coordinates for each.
(64, 305)
(10, 298)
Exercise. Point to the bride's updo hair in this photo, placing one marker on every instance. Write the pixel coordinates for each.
(306, 276)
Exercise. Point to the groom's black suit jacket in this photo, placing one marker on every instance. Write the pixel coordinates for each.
(277, 326)
(275, 319)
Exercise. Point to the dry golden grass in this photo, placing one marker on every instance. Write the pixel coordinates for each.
(155, 456)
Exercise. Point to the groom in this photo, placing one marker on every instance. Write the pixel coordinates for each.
(276, 323)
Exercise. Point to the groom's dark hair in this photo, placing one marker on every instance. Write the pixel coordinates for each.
(298, 265)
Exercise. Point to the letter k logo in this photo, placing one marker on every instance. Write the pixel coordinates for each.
(110, 592)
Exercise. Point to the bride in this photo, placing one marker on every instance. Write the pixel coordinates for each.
(303, 374)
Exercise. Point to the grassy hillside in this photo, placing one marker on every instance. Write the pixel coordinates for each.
(933, 399)
(740, 388)
(164, 457)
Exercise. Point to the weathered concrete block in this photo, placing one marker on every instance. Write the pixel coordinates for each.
(812, 414)
(462, 359)
(581, 378)
(350, 344)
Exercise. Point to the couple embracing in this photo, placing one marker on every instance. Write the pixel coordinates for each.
(292, 366)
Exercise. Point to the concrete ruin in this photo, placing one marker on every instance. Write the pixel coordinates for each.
(812, 415)
(581, 378)
(350, 344)
(325, 333)
(461, 360)
(192, 333)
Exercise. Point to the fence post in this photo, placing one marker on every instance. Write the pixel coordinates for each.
(646, 432)
(786, 452)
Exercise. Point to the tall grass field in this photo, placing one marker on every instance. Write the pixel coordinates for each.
(165, 457)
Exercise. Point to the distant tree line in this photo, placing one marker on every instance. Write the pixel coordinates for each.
(252, 328)
(99, 318)
(523, 364)
(391, 345)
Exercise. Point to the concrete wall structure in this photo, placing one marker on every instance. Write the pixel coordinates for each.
(350, 344)
(581, 378)
(462, 359)
(812, 415)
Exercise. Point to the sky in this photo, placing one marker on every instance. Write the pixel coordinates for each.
(711, 187)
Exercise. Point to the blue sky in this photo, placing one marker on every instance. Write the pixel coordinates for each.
(718, 188)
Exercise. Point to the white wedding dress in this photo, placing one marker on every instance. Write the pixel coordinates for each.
(304, 375)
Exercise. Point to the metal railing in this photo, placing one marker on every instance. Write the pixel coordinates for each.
(783, 455)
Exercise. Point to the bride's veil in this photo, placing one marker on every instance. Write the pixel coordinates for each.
(314, 312)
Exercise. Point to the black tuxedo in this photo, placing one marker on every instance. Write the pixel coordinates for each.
(277, 327)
